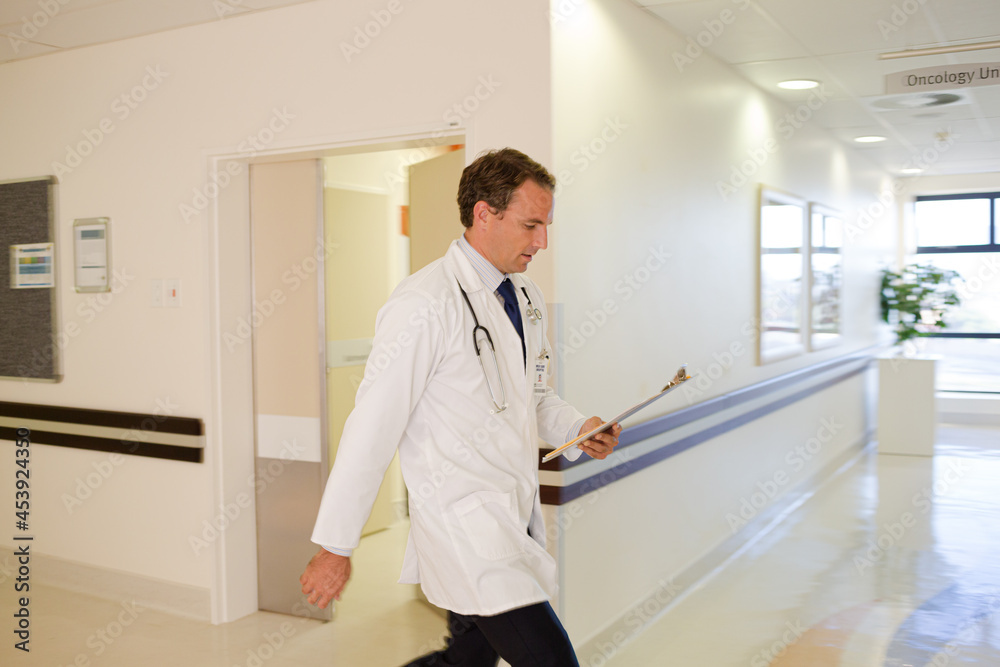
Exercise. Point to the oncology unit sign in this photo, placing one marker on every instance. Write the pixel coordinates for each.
(943, 77)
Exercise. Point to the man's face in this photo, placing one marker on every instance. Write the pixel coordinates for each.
(513, 237)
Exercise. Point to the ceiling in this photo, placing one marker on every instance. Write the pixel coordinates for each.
(838, 42)
(37, 27)
(835, 42)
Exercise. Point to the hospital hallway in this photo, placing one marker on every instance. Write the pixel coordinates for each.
(893, 562)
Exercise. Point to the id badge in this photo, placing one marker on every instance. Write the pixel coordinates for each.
(541, 374)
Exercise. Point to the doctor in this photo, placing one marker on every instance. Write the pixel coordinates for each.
(456, 382)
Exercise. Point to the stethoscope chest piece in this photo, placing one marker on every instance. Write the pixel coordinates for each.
(533, 314)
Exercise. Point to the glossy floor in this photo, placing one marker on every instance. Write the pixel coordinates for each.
(895, 563)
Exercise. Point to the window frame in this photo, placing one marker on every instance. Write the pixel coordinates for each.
(993, 246)
(826, 213)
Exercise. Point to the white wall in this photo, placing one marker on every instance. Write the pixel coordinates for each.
(661, 139)
(220, 84)
(655, 187)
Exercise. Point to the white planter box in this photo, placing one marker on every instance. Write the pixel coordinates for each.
(907, 409)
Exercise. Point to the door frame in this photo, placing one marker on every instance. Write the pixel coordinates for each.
(229, 426)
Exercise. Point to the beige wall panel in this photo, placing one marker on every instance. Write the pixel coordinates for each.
(286, 344)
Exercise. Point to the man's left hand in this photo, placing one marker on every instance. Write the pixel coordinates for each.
(601, 444)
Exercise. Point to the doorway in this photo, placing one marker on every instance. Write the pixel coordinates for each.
(373, 207)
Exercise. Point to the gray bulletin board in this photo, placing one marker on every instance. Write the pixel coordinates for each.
(28, 334)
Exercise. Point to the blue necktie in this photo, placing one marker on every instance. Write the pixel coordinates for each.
(506, 290)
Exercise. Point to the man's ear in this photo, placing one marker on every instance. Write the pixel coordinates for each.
(481, 211)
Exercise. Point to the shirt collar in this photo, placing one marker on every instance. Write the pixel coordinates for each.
(489, 274)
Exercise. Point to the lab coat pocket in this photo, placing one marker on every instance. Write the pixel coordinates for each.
(490, 521)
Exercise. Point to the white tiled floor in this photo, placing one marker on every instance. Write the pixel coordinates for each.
(884, 566)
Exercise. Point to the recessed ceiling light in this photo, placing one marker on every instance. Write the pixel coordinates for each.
(911, 170)
(798, 84)
(871, 139)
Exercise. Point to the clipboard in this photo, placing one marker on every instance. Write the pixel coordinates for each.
(679, 379)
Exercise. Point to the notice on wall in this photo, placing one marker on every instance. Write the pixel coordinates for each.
(31, 266)
(943, 77)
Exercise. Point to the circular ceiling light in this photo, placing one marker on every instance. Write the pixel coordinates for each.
(870, 139)
(798, 84)
(909, 171)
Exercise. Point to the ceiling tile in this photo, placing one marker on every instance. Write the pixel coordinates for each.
(270, 4)
(747, 36)
(14, 49)
(17, 11)
(851, 25)
(127, 18)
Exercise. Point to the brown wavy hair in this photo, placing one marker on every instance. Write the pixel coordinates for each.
(493, 176)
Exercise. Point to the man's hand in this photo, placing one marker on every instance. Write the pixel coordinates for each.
(601, 444)
(325, 577)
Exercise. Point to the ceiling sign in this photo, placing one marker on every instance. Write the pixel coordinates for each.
(943, 77)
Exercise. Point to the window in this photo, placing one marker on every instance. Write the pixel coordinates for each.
(782, 272)
(799, 279)
(959, 232)
(826, 239)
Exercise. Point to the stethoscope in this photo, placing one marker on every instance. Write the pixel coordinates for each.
(533, 313)
(534, 316)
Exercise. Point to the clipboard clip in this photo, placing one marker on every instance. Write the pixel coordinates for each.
(680, 377)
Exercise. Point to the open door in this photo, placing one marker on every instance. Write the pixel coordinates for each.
(291, 466)
(434, 221)
(327, 251)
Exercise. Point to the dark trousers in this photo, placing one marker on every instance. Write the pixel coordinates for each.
(527, 637)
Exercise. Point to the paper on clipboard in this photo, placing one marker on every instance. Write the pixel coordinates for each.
(681, 377)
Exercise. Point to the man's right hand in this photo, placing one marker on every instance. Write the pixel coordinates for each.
(325, 577)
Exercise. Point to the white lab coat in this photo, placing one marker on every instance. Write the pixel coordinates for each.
(472, 476)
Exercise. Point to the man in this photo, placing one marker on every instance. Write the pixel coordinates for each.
(457, 383)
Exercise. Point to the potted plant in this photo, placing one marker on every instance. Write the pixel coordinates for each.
(916, 299)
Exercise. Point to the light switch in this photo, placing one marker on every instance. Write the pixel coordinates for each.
(172, 293)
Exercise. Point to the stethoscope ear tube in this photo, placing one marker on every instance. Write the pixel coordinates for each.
(500, 405)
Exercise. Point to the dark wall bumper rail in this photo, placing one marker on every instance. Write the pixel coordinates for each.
(137, 434)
